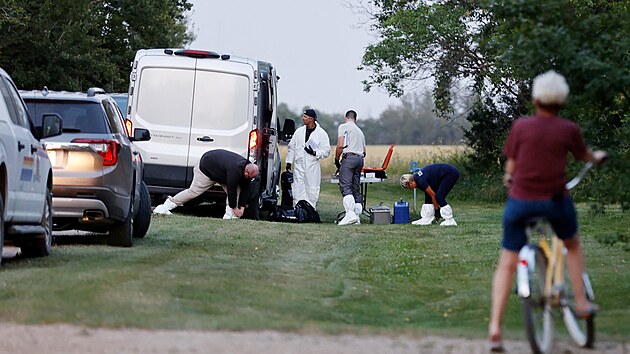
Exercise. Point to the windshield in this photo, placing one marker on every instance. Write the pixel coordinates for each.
(77, 116)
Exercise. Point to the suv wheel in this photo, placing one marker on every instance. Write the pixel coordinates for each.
(41, 245)
(121, 234)
(142, 219)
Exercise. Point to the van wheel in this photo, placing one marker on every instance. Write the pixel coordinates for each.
(121, 234)
(142, 219)
(1, 227)
(41, 245)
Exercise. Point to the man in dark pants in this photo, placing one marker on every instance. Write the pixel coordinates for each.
(350, 146)
(436, 181)
(231, 170)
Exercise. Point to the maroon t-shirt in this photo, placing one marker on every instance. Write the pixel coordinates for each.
(539, 147)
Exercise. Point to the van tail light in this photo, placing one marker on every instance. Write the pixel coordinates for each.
(129, 127)
(108, 149)
(252, 146)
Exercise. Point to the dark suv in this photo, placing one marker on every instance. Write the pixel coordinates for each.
(97, 180)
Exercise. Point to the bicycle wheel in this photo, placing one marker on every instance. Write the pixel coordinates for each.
(537, 310)
(581, 330)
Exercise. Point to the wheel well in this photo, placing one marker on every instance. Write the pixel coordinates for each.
(49, 182)
(3, 183)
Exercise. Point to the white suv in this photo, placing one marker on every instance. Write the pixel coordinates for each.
(25, 174)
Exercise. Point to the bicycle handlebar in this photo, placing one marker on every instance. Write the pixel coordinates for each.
(587, 167)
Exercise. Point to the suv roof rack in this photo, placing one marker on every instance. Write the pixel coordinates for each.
(93, 91)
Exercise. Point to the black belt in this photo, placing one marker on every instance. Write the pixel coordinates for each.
(351, 153)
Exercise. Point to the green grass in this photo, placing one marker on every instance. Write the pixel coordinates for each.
(206, 273)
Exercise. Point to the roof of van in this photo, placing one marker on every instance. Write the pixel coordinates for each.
(163, 52)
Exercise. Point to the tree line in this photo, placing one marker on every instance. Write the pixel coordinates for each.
(494, 49)
(410, 122)
(480, 55)
(76, 44)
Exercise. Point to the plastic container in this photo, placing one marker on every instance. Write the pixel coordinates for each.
(401, 212)
(380, 214)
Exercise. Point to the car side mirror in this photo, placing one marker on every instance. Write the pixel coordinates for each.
(288, 129)
(52, 125)
(141, 134)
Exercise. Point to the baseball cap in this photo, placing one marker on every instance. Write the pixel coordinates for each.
(311, 113)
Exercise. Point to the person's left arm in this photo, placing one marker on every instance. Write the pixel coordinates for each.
(509, 169)
(324, 145)
(338, 151)
(431, 194)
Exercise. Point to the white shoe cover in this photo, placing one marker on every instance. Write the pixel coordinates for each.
(427, 215)
(358, 209)
(350, 217)
(447, 213)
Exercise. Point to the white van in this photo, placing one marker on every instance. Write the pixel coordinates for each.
(194, 101)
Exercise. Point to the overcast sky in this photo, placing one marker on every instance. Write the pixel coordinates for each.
(315, 46)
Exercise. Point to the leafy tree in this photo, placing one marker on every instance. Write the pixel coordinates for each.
(498, 47)
(76, 44)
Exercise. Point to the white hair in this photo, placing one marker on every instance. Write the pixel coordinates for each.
(405, 179)
(550, 88)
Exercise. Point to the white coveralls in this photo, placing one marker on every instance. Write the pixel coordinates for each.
(307, 173)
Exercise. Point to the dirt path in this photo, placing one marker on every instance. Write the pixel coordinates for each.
(66, 339)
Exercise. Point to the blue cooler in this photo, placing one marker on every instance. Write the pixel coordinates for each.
(401, 212)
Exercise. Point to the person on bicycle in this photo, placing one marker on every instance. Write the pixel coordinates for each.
(535, 174)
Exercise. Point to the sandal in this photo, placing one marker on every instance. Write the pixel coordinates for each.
(495, 345)
(589, 312)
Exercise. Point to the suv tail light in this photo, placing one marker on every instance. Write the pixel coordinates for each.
(108, 149)
(252, 146)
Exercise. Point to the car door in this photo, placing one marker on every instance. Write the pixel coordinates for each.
(26, 159)
(223, 110)
(163, 104)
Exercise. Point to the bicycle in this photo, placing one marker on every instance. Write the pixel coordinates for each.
(542, 288)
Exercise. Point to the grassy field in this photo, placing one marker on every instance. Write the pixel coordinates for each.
(205, 273)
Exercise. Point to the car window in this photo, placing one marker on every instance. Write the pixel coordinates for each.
(18, 113)
(77, 116)
(114, 116)
(121, 101)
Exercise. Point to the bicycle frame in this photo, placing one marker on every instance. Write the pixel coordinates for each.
(539, 302)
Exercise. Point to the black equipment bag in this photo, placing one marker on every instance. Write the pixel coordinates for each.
(304, 212)
(282, 214)
(286, 178)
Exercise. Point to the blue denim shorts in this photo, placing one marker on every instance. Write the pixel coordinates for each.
(559, 211)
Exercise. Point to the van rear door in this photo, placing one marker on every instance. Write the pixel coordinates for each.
(223, 108)
(163, 104)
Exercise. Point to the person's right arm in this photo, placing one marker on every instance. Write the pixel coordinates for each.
(596, 157)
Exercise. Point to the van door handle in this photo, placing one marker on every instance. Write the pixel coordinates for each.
(20, 146)
(205, 139)
(33, 149)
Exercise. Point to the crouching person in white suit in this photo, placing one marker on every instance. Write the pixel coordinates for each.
(231, 170)
(436, 181)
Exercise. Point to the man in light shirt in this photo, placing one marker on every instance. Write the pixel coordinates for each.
(350, 146)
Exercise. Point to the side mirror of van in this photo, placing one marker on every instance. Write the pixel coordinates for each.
(288, 129)
(141, 134)
(52, 125)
